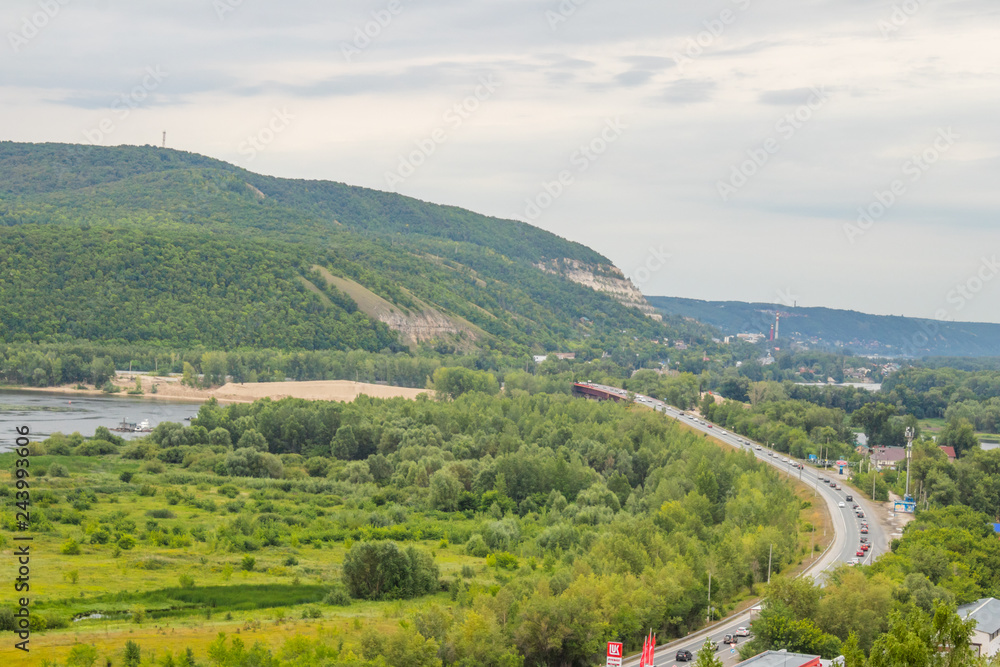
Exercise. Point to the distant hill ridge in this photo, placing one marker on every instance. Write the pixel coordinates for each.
(142, 244)
(827, 327)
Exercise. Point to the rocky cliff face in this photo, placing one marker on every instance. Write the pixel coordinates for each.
(602, 278)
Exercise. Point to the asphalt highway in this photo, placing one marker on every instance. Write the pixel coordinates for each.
(846, 526)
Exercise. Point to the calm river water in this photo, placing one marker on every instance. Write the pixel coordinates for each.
(46, 413)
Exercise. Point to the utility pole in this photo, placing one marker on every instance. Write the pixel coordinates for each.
(708, 615)
(909, 451)
(770, 552)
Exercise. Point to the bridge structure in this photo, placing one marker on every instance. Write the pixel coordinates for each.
(598, 393)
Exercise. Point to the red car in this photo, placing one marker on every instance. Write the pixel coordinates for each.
(864, 547)
(860, 553)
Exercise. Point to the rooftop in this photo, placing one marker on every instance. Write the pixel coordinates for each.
(985, 611)
(782, 659)
(890, 454)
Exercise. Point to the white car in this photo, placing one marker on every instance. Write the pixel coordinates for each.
(841, 504)
(742, 632)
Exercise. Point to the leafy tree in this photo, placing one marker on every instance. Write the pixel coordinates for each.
(777, 628)
(82, 655)
(132, 654)
(381, 570)
(707, 656)
(453, 382)
(961, 435)
(876, 420)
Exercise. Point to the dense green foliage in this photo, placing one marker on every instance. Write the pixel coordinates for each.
(571, 519)
(950, 393)
(137, 244)
(798, 428)
(901, 609)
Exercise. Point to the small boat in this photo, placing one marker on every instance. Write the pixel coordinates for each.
(126, 427)
(132, 427)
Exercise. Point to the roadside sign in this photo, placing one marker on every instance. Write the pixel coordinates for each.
(614, 654)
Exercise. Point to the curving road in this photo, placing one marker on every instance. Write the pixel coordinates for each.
(847, 527)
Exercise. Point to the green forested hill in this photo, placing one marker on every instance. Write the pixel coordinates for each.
(140, 244)
(832, 328)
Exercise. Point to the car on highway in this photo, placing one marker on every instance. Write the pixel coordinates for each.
(850, 498)
(865, 547)
(742, 632)
(853, 561)
(841, 504)
(683, 656)
(730, 639)
(864, 530)
(864, 540)
(709, 425)
(713, 645)
(859, 553)
(759, 448)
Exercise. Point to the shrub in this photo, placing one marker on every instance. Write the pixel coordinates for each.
(82, 655)
(70, 548)
(126, 542)
(161, 514)
(381, 570)
(153, 466)
(248, 563)
(147, 490)
(58, 470)
(291, 561)
(338, 597)
(502, 560)
(476, 546)
(100, 536)
(95, 448)
(228, 490)
(186, 581)
(311, 612)
(126, 476)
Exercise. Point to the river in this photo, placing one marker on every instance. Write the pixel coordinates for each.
(47, 413)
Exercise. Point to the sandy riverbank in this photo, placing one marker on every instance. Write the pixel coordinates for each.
(172, 389)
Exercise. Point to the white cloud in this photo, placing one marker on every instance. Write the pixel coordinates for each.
(689, 122)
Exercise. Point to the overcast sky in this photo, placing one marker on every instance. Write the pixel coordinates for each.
(718, 149)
